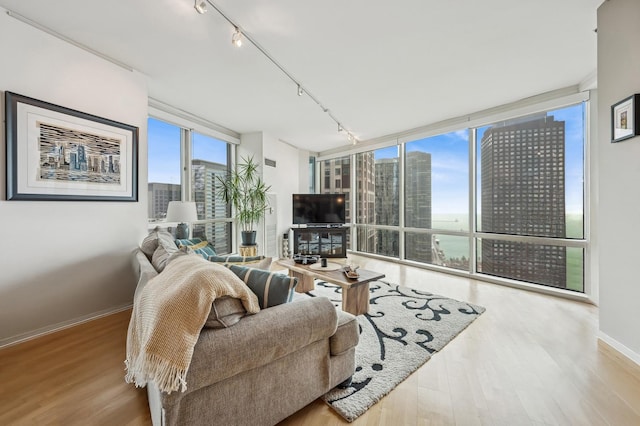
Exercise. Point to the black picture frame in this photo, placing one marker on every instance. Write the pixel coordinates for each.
(625, 119)
(55, 153)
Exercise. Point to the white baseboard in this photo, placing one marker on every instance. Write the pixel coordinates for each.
(620, 348)
(30, 335)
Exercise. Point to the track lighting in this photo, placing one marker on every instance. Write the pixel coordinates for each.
(236, 39)
(200, 6)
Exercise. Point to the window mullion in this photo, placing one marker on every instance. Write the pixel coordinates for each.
(185, 161)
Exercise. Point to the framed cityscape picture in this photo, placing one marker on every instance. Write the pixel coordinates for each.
(56, 153)
(625, 119)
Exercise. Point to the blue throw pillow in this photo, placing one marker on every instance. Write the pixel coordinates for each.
(197, 245)
(272, 288)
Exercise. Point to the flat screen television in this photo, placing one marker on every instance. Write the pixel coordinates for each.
(319, 209)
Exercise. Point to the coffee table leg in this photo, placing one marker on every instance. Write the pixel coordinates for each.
(305, 282)
(355, 299)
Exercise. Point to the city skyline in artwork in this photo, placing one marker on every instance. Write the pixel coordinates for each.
(77, 156)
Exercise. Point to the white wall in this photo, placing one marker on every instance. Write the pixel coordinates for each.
(287, 178)
(66, 261)
(618, 164)
(284, 179)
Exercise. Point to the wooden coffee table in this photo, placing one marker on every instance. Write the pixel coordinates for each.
(355, 292)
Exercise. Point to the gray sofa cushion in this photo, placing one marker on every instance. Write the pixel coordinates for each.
(150, 243)
(225, 312)
(256, 341)
(347, 334)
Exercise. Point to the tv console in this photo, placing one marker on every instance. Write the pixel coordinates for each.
(322, 241)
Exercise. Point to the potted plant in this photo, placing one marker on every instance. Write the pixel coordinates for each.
(247, 193)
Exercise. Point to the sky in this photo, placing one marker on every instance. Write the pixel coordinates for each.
(449, 159)
(164, 151)
(450, 163)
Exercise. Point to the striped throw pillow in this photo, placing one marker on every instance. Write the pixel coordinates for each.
(197, 245)
(272, 288)
(259, 262)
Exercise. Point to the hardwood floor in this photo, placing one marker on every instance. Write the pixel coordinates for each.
(530, 359)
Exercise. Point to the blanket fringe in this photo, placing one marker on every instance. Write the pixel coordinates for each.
(149, 367)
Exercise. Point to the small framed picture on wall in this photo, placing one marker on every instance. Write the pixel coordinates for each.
(625, 119)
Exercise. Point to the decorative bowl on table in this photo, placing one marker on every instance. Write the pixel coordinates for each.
(351, 273)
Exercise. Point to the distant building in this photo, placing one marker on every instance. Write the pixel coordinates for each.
(336, 179)
(377, 198)
(417, 205)
(523, 193)
(209, 206)
(159, 196)
(366, 201)
(387, 205)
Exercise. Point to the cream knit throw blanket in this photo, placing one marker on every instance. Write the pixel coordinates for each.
(168, 315)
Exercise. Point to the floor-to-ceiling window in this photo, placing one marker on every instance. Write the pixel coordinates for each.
(335, 178)
(164, 167)
(436, 200)
(204, 158)
(378, 201)
(530, 195)
(209, 162)
(504, 199)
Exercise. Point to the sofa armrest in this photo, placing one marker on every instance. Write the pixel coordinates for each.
(257, 340)
(347, 334)
(143, 269)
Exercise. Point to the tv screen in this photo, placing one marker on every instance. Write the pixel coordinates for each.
(319, 209)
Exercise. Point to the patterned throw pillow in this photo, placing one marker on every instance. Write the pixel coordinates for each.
(272, 288)
(259, 262)
(198, 245)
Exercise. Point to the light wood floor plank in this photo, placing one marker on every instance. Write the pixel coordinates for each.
(530, 359)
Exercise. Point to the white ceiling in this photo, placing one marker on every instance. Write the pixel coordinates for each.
(379, 67)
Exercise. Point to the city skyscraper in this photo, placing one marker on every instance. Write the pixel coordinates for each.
(387, 205)
(417, 205)
(523, 193)
(209, 206)
(336, 178)
(378, 200)
(159, 195)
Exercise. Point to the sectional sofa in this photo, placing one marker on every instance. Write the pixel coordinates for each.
(256, 369)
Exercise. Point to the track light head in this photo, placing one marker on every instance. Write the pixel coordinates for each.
(340, 128)
(200, 6)
(236, 39)
(300, 91)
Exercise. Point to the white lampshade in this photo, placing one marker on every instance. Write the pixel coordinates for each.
(182, 211)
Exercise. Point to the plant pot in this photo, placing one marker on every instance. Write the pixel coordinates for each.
(248, 238)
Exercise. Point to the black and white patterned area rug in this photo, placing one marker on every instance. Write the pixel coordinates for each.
(403, 328)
